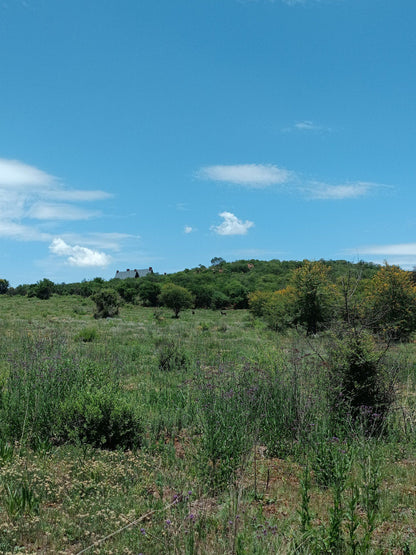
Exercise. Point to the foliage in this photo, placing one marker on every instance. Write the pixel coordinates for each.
(107, 303)
(19, 499)
(225, 411)
(352, 518)
(149, 291)
(219, 300)
(362, 387)
(392, 302)
(313, 295)
(171, 356)
(87, 335)
(128, 289)
(4, 286)
(99, 417)
(217, 261)
(175, 297)
(44, 289)
(247, 413)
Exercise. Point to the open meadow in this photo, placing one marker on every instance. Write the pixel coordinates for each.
(208, 433)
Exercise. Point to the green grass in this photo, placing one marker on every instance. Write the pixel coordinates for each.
(222, 438)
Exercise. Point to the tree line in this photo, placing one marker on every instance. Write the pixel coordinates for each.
(285, 294)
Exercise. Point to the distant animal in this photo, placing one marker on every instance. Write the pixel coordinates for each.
(223, 313)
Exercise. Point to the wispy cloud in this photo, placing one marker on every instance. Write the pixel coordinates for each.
(260, 176)
(231, 225)
(49, 211)
(306, 126)
(400, 254)
(28, 193)
(188, 229)
(98, 240)
(77, 255)
(73, 195)
(399, 249)
(19, 232)
(322, 191)
(255, 176)
(17, 174)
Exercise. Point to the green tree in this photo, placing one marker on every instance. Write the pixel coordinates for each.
(4, 286)
(392, 302)
(175, 297)
(44, 289)
(313, 295)
(128, 289)
(217, 261)
(149, 292)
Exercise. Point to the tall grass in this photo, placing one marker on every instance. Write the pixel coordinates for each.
(188, 436)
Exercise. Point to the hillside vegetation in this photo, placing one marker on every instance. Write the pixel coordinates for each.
(273, 412)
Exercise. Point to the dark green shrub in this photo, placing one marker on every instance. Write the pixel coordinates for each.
(4, 286)
(44, 289)
(107, 303)
(361, 386)
(149, 292)
(101, 418)
(219, 300)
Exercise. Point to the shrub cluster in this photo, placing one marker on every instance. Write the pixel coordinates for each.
(52, 396)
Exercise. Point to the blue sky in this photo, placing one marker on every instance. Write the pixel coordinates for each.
(164, 133)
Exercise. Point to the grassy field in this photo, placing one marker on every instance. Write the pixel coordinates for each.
(204, 434)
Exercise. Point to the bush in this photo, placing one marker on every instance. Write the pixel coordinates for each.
(219, 300)
(107, 303)
(44, 289)
(87, 335)
(4, 286)
(362, 389)
(101, 418)
(392, 303)
(171, 356)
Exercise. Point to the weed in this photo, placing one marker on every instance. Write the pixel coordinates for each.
(6, 451)
(19, 499)
(87, 335)
(171, 356)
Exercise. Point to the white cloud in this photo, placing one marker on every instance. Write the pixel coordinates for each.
(306, 126)
(74, 195)
(77, 255)
(28, 192)
(13, 230)
(188, 229)
(231, 225)
(400, 249)
(16, 174)
(108, 241)
(323, 191)
(250, 175)
(50, 211)
(258, 176)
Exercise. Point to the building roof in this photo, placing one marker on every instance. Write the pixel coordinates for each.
(133, 273)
